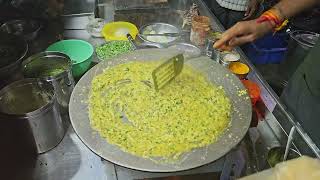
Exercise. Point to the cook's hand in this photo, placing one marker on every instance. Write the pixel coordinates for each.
(252, 7)
(242, 32)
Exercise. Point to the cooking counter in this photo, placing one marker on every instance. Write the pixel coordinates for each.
(71, 159)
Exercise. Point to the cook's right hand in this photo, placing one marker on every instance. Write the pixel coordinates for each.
(241, 33)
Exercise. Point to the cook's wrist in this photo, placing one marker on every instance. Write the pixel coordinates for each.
(279, 13)
(269, 25)
(274, 17)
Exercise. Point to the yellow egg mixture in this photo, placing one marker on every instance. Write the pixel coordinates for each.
(188, 113)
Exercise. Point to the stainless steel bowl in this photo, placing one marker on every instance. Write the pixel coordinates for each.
(26, 28)
(158, 28)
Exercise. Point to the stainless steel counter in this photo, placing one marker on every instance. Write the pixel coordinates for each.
(280, 120)
(73, 160)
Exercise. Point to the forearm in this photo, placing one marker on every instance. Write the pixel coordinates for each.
(289, 8)
(273, 19)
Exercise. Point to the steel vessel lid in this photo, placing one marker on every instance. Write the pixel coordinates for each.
(305, 38)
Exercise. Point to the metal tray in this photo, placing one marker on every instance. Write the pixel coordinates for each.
(240, 117)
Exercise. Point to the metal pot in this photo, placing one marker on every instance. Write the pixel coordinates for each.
(12, 51)
(299, 45)
(53, 67)
(28, 108)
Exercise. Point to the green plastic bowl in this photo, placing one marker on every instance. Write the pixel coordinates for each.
(79, 51)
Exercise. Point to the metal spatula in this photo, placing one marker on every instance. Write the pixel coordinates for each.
(167, 71)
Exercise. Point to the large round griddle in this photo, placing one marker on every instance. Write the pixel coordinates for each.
(240, 118)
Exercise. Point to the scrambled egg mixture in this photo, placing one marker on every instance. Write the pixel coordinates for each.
(188, 113)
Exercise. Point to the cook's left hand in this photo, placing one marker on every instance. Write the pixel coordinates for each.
(252, 7)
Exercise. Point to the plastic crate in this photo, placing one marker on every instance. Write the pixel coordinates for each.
(270, 49)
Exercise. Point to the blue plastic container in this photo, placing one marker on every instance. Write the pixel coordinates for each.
(270, 49)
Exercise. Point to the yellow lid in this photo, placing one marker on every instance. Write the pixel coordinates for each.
(119, 30)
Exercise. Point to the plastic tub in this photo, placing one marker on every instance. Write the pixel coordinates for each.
(119, 30)
(268, 50)
(79, 51)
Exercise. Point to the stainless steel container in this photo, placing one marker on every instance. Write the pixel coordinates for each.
(299, 45)
(216, 55)
(224, 63)
(159, 28)
(209, 47)
(226, 57)
(54, 67)
(29, 108)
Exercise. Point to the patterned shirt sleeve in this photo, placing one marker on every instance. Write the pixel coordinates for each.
(236, 5)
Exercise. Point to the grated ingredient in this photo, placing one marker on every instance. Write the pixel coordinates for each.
(126, 110)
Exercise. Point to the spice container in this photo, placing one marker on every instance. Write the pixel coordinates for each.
(231, 56)
(199, 30)
(224, 63)
(239, 69)
(216, 55)
(227, 57)
(210, 40)
(253, 89)
(254, 93)
(209, 47)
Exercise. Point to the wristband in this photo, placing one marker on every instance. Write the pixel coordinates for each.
(274, 17)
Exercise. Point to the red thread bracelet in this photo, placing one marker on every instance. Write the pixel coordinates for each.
(272, 17)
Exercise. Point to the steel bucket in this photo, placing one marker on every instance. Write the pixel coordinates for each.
(30, 116)
(53, 67)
